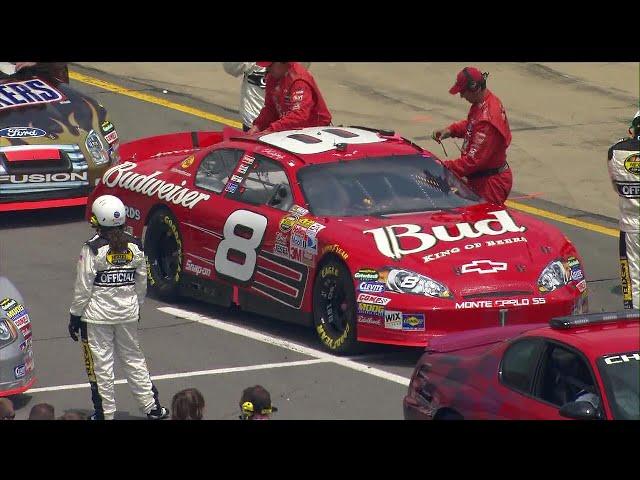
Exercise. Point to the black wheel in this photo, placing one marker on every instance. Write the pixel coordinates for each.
(163, 248)
(334, 314)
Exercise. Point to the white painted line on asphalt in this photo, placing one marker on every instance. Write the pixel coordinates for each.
(279, 342)
(169, 376)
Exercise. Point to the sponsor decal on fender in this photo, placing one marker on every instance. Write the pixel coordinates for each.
(393, 320)
(370, 309)
(187, 162)
(367, 274)
(45, 178)
(388, 238)
(412, 321)
(369, 320)
(301, 255)
(287, 223)
(281, 250)
(581, 286)
(21, 132)
(297, 211)
(374, 299)
(106, 126)
(20, 371)
(111, 137)
(197, 269)
(513, 302)
(122, 176)
(22, 321)
(13, 309)
(132, 213)
(371, 287)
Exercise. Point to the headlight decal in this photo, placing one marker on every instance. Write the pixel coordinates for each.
(555, 275)
(406, 281)
(96, 148)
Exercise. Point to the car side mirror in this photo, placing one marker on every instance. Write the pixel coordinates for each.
(580, 411)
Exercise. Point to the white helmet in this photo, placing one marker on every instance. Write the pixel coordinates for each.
(108, 211)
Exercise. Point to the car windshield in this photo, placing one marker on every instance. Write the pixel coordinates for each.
(383, 186)
(621, 375)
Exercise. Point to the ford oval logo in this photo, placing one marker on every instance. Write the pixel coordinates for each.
(21, 132)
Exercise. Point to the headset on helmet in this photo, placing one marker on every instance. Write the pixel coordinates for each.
(472, 84)
(248, 411)
(108, 211)
(634, 127)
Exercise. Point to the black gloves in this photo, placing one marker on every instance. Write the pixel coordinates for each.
(74, 327)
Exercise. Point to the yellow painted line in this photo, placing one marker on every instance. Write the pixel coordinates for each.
(612, 232)
(112, 87)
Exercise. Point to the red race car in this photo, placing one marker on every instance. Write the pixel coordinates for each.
(579, 367)
(358, 232)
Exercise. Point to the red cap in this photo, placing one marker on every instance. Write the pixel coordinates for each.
(462, 80)
(264, 64)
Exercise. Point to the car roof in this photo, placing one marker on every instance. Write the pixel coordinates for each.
(596, 340)
(329, 144)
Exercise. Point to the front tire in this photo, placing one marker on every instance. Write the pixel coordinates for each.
(163, 249)
(334, 314)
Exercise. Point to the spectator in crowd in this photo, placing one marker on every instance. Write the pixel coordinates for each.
(255, 404)
(6, 409)
(73, 415)
(187, 404)
(42, 411)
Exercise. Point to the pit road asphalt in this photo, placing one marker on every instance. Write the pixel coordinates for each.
(216, 350)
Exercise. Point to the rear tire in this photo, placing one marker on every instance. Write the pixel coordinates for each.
(334, 303)
(163, 249)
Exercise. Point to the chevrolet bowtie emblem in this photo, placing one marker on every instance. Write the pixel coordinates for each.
(483, 266)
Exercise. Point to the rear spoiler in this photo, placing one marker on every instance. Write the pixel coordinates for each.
(478, 337)
(173, 144)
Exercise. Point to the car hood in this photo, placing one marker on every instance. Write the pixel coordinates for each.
(65, 121)
(474, 250)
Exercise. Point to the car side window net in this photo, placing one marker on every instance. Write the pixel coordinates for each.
(264, 183)
(216, 169)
